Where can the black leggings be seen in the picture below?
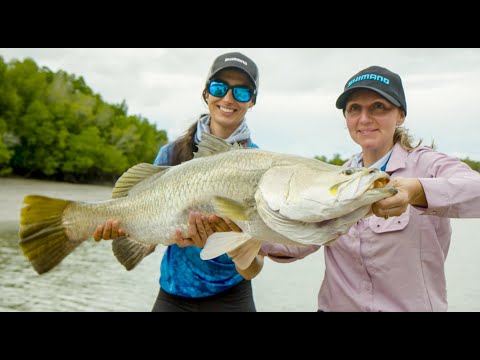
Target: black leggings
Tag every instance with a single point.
(238, 298)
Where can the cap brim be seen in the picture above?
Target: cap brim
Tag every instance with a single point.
(230, 66)
(342, 99)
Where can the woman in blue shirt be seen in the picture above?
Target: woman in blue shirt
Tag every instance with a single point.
(188, 283)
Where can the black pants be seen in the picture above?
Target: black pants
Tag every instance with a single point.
(238, 298)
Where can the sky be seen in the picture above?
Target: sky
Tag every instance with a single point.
(295, 111)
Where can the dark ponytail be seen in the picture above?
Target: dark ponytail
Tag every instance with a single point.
(185, 146)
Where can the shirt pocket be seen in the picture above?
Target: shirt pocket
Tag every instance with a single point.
(395, 223)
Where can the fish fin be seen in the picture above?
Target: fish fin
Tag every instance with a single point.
(220, 243)
(130, 252)
(232, 209)
(134, 176)
(43, 239)
(211, 145)
(243, 255)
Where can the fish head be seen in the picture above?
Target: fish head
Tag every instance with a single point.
(311, 193)
(354, 183)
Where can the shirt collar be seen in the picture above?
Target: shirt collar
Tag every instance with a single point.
(357, 161)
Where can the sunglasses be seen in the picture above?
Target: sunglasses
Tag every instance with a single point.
(241, 93)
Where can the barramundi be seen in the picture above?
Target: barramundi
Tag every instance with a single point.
(272, 197)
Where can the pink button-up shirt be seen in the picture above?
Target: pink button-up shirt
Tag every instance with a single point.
(398, 264)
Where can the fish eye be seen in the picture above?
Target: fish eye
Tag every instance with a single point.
(347, 172)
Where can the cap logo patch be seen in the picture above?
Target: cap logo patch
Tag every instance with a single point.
(236, 59)
(369, 77)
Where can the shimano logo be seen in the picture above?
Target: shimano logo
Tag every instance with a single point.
(237, 59)
(369, 77)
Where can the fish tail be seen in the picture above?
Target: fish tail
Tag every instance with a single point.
(43, 237)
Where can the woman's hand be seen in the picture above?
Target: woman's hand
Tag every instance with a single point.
(108, 231)
(410, 192)
(201, 226)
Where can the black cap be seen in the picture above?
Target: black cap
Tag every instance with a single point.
(235, 60)
(378, 79)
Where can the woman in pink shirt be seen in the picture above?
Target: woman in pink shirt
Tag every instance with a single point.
(394, 261)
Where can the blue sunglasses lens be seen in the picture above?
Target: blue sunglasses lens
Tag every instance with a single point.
(242, 94)
(220, 89)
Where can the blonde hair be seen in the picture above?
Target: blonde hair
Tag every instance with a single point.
(403, 137)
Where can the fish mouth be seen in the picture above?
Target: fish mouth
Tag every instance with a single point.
(379, 183)
(382, 184)
(379, 179)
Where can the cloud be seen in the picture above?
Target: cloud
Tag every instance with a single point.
(296, 110)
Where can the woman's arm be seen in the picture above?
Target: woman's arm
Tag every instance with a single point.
(444, 186)
(254, 268)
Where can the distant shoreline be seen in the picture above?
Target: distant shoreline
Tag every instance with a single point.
(99, 183)
(14, 189)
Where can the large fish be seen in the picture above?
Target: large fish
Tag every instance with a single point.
(272, 197)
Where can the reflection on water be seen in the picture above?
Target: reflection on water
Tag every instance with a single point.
(89, 279)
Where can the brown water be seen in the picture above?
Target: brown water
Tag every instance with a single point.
(91, 279)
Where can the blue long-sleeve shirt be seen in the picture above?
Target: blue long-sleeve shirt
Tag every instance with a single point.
(183, 272)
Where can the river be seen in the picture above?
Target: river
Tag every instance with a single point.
(91, 279)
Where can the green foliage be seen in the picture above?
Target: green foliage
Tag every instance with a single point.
(5, 153)
(52, 125)
(475, 165)
(336, 160)
(89, 152)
